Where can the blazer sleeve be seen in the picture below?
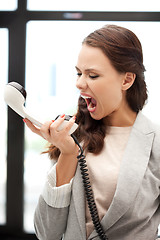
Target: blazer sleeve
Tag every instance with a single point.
(50, 223)
(52, 210)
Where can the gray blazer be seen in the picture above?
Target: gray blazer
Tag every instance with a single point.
(134, 213)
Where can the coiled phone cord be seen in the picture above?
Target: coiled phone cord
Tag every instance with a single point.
(89, 193)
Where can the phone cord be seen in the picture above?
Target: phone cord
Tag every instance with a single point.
(89, 192)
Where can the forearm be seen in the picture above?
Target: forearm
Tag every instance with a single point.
(66, 168)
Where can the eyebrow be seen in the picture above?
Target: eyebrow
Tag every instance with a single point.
(87, 70)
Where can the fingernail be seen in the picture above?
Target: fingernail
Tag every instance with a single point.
(53, 120)
(62, 116)
(74, 118)
(24, 120)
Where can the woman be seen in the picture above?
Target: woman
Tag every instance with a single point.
(121, 146)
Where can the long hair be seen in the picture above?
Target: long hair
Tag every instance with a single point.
(124, 51)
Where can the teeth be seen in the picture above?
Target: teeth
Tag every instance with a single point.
(85, 97)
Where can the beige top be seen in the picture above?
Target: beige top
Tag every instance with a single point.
(104, 169)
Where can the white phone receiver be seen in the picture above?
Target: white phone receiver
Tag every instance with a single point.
(15, 97)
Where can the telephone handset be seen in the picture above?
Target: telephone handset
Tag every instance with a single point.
(15, 97)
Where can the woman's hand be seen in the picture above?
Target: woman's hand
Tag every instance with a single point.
(67, 161)
(60, 139)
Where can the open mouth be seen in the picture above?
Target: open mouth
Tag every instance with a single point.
(91, 103)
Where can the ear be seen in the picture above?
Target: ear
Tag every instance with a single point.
(128, 80)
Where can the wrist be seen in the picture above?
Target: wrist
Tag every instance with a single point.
(66, 168)
(73, 153)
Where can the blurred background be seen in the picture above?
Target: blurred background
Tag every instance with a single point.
(39, 44)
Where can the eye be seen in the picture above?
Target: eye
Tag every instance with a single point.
(93, 76)
(79, 74)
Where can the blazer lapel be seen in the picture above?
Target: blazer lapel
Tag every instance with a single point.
(132, 171)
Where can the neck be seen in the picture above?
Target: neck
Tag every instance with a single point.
(122, 118)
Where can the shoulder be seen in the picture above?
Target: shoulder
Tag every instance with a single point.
(145, 125)
(154, 130)
(149, 130)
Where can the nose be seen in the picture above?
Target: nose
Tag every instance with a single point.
(81, 82)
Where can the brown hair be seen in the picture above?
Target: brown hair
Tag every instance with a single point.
(124, 50)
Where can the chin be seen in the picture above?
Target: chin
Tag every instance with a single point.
(95, 117)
